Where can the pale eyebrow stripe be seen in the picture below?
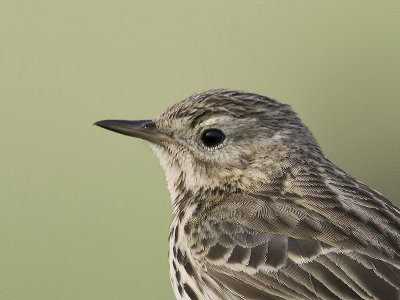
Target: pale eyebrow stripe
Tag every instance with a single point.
(203, 117)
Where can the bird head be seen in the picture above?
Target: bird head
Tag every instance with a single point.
(223, 141)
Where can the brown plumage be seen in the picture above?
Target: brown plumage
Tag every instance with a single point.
(260, 212)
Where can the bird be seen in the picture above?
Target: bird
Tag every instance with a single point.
(259, 212)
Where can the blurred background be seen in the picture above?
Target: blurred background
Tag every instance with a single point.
(85, 213)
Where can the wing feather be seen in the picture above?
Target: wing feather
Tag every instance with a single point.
(306, 237)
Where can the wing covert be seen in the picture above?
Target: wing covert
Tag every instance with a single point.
(253, 247)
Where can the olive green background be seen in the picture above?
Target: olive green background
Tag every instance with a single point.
(84, 213)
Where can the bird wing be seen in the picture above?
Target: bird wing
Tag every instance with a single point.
(306, 241)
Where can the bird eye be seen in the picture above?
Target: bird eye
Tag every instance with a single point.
(212, 137)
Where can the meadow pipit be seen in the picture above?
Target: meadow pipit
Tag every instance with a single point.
(260, 212)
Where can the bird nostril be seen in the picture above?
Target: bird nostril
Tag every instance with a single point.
(150, 126)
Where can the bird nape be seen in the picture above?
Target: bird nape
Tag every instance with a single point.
(259, 211)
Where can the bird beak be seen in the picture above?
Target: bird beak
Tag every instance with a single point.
(143, 129)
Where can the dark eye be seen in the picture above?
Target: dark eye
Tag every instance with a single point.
(212, 137)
